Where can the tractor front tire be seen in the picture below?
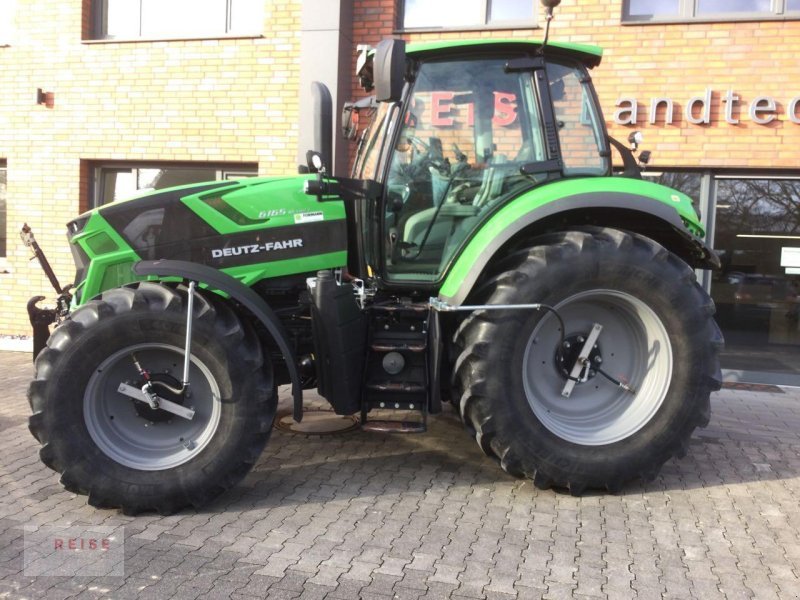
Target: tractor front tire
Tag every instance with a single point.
(658, 337)
(118, 450)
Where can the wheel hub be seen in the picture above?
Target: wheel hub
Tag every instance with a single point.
(157, 415)
(567, 353)
(635, 345)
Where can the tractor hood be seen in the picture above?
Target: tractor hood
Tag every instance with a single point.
(251, 228)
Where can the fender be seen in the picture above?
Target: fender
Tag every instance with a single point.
(641, 203)
(218, 280)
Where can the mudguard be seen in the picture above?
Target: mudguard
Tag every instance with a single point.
(627, 204)
(244, 295)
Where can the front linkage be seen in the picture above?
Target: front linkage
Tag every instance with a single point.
(42, 318)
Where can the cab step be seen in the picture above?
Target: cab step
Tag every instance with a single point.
(396, 377)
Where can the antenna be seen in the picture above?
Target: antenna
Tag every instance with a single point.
(549, 5)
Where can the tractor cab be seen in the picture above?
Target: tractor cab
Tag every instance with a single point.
(474, 125)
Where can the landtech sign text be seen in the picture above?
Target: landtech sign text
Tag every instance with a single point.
(762, 109)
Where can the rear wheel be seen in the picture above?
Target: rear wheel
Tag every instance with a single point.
(658, 340)
(120, 451)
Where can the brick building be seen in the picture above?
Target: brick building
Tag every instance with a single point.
(138, 94)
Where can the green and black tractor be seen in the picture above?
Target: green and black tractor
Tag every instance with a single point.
(482, 252)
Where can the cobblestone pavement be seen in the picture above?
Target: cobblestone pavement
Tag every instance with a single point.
(368, 515)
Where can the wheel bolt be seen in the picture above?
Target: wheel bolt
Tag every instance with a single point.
(566, 345)
(598, 359)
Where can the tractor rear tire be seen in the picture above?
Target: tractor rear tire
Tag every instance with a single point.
(119, 451)
(658, 336)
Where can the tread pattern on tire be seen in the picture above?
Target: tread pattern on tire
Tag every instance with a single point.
(474, 335)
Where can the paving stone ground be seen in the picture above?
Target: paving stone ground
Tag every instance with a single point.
(376, 516)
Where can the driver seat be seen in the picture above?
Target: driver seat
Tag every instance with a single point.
(418, 223)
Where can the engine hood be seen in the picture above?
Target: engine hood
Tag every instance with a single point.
(222, 223)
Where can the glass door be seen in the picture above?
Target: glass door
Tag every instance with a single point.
(757, 291)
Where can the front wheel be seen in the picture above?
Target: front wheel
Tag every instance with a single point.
(116, 448)
(643, 387)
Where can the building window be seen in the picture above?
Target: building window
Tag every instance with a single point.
(708, 10)
(7, 12)
(119, 181)
(160, 19)
(459, 14)
(3, 223)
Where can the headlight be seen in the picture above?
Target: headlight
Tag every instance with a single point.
(75, 226)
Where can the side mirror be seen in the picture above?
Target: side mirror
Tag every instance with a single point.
(349, 121)
(389, 69)
(364, 67)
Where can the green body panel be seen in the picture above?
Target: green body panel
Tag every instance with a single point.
(103, 266)
(286, 199)
(518, 208)
(251, 206)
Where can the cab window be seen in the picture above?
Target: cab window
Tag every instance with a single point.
(468, 129)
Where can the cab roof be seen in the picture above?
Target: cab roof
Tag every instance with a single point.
(586, 53)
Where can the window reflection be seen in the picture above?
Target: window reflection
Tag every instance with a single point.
(465, 13)
(469, 128)
(119, 182)
(757, 291)
(730, 6)
(443, 13)
(641, 8)
(509, 10)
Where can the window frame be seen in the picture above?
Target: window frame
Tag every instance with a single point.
(4, 228)
(99, 170)
(97, 34)
(532, 23)
(688, 13)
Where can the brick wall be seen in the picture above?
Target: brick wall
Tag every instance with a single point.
(671, 60)
(231, 100)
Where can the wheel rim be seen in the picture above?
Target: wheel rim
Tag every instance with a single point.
(636, 348)
(124, 435)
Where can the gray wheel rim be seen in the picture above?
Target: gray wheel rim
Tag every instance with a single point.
(635, 346)
(133, 441)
